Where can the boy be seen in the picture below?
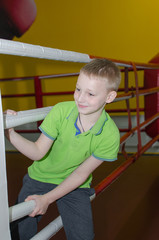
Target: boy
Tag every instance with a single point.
(76, 138)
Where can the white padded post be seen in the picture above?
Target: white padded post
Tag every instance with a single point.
(21, 210)
(24, 117)
(28, 50)
(4, 213)
(50, 230)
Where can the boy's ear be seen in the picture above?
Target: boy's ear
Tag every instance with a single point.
(111, 96)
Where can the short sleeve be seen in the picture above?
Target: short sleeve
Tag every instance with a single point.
(50, 125)
(108, 146)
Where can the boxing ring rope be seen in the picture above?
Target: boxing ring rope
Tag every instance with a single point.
(23, 117)
(28, 50)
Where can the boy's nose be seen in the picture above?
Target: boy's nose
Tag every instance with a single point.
(81, 97)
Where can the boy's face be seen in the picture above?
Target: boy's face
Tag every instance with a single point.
(91, 94)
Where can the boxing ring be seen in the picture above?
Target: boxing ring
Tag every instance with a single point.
(149, 125)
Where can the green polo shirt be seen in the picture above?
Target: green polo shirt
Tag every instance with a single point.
(70, 148)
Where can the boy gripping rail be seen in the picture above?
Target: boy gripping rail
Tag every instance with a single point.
(77, 137)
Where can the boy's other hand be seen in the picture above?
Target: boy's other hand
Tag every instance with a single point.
(10, 112)
(8, 131)
(41, 204)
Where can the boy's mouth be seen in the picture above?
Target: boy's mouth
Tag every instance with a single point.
(81, 106)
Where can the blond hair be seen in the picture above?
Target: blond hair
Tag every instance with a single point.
(105, 69)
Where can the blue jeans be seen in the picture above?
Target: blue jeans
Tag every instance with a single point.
(74, 208)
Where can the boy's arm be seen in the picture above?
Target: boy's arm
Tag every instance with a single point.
(69, 184)
(33, 150)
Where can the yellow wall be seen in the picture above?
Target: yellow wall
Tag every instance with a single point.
(125, 30)
(120, 29)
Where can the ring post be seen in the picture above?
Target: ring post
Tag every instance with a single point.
(4, 213)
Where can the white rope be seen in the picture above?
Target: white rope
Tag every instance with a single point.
(50, 230)
(24, 117)
(28, 50)
(25, 208)
(10, 47)
(21, 210)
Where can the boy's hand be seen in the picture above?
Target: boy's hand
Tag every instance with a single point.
(41, 204)
(10, 112)
(8, 131)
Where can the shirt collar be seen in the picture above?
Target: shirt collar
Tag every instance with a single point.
(73, 114)
(97, 128)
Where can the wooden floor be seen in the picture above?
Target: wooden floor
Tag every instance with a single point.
(126, 210)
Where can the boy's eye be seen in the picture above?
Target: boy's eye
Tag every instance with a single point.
(91, 94)
(77, 89)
